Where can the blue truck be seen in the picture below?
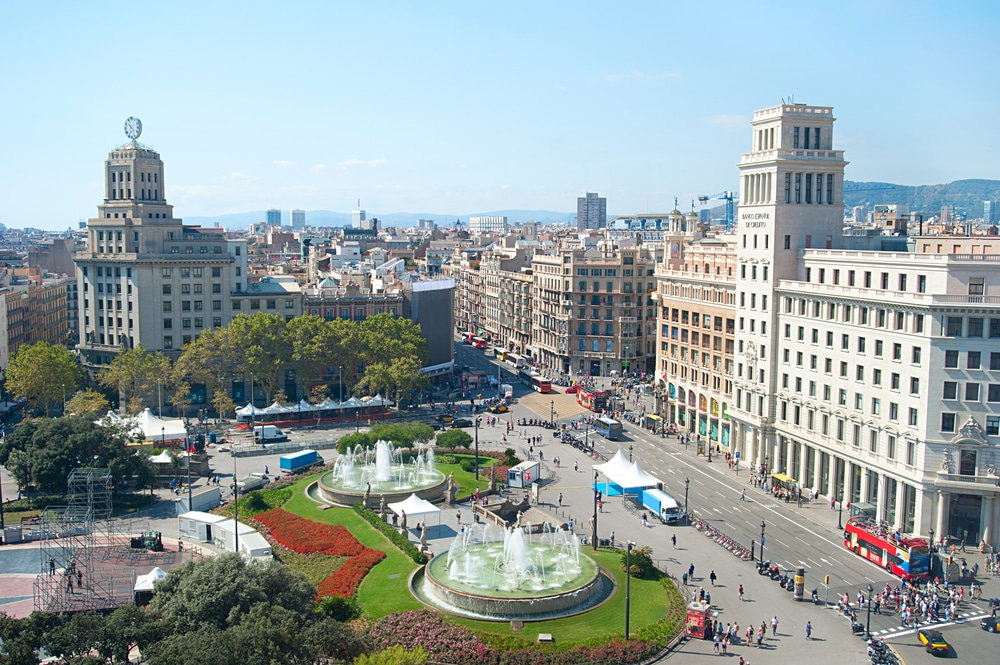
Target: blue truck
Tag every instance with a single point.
(663, 505)
(295, 462)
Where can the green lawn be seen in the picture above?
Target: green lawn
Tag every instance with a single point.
(385, 589)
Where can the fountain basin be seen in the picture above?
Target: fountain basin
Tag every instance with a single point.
(348, 497)
(514, 578)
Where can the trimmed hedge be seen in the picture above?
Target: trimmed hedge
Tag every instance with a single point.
(398, 539)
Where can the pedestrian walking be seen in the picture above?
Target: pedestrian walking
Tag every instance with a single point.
(560, 499)
(691, 571)
(673, 540)
(458, 516)
(715, 643)
(612, 539)
(576, 466)
(809, 630)
(743, 495)
(267, 470)
(712, 578)
(52, 566)
(79, 579)
(571, 525)
(725, 643)
(741, 593)
(774, 625)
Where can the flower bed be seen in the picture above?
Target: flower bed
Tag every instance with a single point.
(307, 537)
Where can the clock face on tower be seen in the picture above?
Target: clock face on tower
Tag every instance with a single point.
(133, 127)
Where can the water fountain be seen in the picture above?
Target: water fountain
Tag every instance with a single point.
(383, 470)
(508, 574)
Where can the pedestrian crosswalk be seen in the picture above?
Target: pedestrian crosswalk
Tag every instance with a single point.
(974, 614)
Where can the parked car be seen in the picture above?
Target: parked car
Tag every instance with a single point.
(933, 641)
(461, 422)
(572, 389)
(443, 419)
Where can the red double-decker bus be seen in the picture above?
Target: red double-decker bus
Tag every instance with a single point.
(589, 398)
(908, 558)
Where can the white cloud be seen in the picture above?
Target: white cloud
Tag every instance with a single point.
(370, 163)
(643, 76)
(318, 168)
(729, 122)
(505, 187)
(283, 163)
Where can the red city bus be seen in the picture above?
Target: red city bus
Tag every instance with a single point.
(589, 398)
(540, 384)
(479, 342)
(908, 558)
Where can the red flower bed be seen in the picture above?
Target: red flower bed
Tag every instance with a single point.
(306, 537)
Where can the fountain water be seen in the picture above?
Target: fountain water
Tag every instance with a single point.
(383, 468)
(506, 574)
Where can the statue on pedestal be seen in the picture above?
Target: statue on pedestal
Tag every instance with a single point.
(423, 538)
(402, 519)
(451, 482)
(381, 506)
(368, 493)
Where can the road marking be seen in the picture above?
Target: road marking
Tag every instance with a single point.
(825, 561)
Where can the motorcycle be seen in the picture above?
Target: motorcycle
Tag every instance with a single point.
(815, 596)
(774, 572)
(762, 567)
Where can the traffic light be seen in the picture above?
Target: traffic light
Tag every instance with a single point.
(826, 580)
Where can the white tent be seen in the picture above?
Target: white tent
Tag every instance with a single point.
(634, 477)
(157, 430)
(146, 582)
(163, 458)
(352, 403)
(414, 506)
(248, 410)
(616, 465)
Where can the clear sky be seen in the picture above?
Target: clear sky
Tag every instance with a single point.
(461, 107)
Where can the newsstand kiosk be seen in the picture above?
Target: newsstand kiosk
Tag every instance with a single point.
(699, 621)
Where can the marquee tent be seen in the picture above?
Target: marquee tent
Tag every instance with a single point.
(414, 506)
(617, 464)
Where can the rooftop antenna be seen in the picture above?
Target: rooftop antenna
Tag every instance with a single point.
(675, 203)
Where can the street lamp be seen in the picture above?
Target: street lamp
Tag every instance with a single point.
(930, 550)
(64, 399)
(596, 495)
(868, 625)
(840, 512)
(552, 411)
(478, 418)
(630, 452)
(687, 508)
(628, 581)
(762, 525)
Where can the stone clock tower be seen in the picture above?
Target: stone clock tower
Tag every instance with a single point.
(791, 198)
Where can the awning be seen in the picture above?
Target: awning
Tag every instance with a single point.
(782, 478)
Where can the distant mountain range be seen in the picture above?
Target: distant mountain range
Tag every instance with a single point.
(962, 195)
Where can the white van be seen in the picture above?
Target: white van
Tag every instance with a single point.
(268, 434)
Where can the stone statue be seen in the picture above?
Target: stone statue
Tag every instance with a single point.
(368, 493)
(381, 506)
(423, 538)
(451, 482)
(520, 514)
(402, 519)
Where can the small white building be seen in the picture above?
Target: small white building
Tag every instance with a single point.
(197, 525)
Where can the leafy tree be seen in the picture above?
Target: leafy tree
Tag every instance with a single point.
(402, 435)
(211, 359)
(87, 401)
(132, 373)
(338, 608)
(261, 348)
(43, 374)
(454, 438)
(21, 638)
(354, 440)
(220, 592)
(640, 561)
(181, 397)
(395, 655)
(314, 347)
(385, 338)
(52, 448)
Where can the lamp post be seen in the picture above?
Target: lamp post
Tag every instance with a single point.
(840, 512)
(630, 452)
(552, 410)
(478, 418)
(628, 581)
(596, 494)
(64, 399)
(930, 550)
(687, 508)
(236, 508)
(762, 525)
(868, 624)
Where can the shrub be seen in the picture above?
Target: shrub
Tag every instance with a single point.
(454, 438)
(641, 562)
(467, 465)
(340, 609)
(351, 440)
(399, 540)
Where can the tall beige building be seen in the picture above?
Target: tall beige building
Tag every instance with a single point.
(145, 278)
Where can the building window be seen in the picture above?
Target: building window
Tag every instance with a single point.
(975, 327)
(950, 390)
(168, 342)
(947, 422)
(973, 360)
(893, 411)
(916, 355)
(971, 392)
(993, 392)
(914, 386)
(166, 289)
(954, 326)
(977, 286)
(911, 419)
(168, 324)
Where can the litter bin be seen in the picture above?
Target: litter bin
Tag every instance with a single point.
(212, 437)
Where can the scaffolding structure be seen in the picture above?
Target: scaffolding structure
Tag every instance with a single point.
(81, 547)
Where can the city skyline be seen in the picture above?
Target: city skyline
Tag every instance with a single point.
(458, 109)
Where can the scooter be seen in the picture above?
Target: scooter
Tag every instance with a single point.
(763, 567)
(815, 596)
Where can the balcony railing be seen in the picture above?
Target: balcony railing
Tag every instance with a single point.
(976, 480)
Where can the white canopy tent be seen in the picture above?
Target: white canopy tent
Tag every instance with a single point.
(617, 464)
(414, 506)
(146, 582)
(633, 478)
(160, 429)
(163, 458)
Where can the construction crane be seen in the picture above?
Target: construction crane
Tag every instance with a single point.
(728, 198)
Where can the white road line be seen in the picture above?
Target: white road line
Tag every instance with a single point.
(825, 561)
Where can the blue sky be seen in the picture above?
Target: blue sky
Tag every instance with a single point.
(458, 107)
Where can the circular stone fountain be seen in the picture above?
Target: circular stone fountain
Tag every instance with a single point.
(505, 575)
(382, 468)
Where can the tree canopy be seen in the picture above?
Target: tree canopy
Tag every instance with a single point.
(132, 373)
(43, 374)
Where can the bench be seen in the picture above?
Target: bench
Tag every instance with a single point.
(545, 638)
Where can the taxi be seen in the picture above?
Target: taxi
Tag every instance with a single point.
(933, 641)
(990, 624)
(500, 408)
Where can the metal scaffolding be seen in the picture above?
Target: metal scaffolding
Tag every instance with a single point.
(80, 547)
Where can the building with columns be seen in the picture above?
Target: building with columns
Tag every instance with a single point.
(862, 367)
